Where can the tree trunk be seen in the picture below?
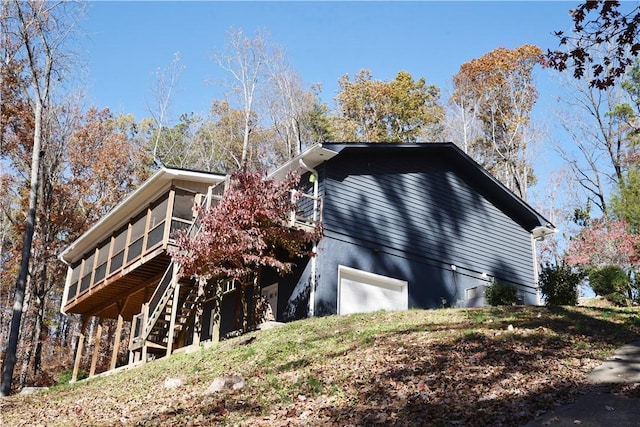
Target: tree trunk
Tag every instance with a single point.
(39, 337)
(21, 282)
(27, 339)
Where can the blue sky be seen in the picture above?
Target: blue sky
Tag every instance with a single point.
(126, 42)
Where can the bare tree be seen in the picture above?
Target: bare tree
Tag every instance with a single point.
(39, 29)
(599, 139)
(290, 106)
(166, 81)
(463, 127)
(245, 60)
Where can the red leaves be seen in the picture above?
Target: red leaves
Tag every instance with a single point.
(605, 243)
(596, 24)
(248, 229)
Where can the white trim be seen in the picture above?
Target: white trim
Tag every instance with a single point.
(311, 157)
(372, 279)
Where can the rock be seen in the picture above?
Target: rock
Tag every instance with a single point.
(228, 382)
(32, 390)
(173, 382)
(269, 325)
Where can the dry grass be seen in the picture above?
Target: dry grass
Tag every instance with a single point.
(491, 366)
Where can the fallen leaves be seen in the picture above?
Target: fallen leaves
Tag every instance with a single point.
(444, 367)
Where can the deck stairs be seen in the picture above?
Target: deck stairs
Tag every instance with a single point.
(165, 318)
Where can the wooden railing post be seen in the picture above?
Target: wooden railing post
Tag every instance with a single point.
(174, 312)
(143, 323)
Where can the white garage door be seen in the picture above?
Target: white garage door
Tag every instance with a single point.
(362, 292)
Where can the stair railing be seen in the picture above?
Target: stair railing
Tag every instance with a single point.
(167, 284)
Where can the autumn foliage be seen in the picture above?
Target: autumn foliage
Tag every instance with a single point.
(499, 91)
(598, 23)
(248, 230)
(605, 243)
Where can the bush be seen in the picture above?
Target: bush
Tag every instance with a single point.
(65, 376)
(501, 294)
(559, 284)
(609, 280)
(618, 299)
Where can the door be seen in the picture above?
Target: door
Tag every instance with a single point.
(271, 294)
(363, 292)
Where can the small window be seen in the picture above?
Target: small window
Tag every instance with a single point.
(183, 205)
(471, 293)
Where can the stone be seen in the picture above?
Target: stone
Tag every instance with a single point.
(32, 390)
(173, 382)
(227, 382)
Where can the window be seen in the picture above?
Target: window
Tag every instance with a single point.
(101, 263)
(73, 282)
(183, 205)
(157, 219)
(117, 259)
(137, 236)
(87, 271)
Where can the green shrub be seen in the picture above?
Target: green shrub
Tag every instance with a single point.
(65, 376)
(501, 294)
(609, 280)
(618, 299)
(559, 284)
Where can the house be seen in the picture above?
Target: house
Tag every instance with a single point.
(405, 226)
(410, 226)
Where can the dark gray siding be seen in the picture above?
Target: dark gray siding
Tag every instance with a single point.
(412, 217)
(424, 208)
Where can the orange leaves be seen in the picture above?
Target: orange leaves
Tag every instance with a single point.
(105, 162)
(498, 71)
(401, 110)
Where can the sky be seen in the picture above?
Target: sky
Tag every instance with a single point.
(125, 43)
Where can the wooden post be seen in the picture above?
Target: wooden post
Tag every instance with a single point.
(174, 312)
(197, 320)
(145, 311)
(116, 342)
(215, 331)
(96, 350)
(132, 330)
(76, 365)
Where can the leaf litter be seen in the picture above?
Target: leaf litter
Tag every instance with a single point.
(433, 368)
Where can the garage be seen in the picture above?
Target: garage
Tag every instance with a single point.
(363, 292)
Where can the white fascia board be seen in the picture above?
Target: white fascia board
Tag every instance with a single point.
(542, 231)
(311, 157)
(131, 205)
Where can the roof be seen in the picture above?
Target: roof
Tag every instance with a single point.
(131, 205)
(530, 219)
(312, 157)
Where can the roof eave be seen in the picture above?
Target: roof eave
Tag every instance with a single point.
(120, 211)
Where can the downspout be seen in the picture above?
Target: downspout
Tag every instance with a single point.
(535, 269)
(65, 293)
(314, 250)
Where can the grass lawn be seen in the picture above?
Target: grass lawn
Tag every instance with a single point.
(488, 366)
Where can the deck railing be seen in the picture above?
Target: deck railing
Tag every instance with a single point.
(166, 286)
(308, 212)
